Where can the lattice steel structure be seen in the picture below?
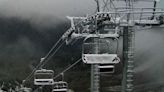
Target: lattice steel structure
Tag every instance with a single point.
(126, 17)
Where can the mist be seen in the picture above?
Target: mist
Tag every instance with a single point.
(45, 12)
(149, 55)
(50, 14)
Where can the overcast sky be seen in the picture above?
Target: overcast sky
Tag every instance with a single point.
(46, 7)
(55, 9)
(37, 9)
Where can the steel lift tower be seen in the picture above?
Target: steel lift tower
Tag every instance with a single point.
(128, 50)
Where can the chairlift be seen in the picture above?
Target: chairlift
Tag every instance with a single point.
(60, 86)
(43, 77)
(106, 69)
(25, 89)
(100, 51)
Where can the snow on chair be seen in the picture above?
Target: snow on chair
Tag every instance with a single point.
(100, 51)
(25, 89)
(60, 86)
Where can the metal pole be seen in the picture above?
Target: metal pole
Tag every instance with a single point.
(62, 75)
(154, 9)
(125, 58)
(98, 5)
(128, 58)
(128, 52)
(95, 77)
(41, 89)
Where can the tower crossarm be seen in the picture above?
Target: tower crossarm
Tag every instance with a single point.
(86, 26)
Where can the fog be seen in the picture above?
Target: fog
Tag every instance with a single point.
(149, 43)
(149, 55)
(37, 9)
(45, 12)
(60, 8)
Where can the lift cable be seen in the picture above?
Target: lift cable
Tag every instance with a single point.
(54, 46)
(45, 60)
(57, 49)
(72, 65)
(42, 63)
(67, 68)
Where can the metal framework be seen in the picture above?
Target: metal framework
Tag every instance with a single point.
(126, 17)
(108, 21)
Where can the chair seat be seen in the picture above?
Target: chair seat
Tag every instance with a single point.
(100, 58)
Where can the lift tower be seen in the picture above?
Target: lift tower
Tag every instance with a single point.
(95, 75)
(102, 6)
(128, 50)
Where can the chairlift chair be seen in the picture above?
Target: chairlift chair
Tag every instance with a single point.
(60, 86)
(106, 69)
(25, 89)
(104, 54)
(43, 77)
